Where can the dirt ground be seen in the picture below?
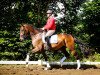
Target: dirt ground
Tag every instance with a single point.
(56, 70)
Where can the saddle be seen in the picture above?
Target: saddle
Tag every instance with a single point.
(49, 40)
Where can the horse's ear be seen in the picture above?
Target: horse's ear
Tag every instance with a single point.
(25, 27)
(23, 24)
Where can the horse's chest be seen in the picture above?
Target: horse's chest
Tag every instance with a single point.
(35, 39)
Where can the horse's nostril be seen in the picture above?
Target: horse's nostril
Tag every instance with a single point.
(21, 35)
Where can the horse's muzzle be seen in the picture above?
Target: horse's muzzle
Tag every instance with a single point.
(22, 37)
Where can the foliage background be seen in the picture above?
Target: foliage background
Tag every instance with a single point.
(81, 20)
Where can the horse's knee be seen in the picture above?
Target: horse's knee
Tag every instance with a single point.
(35, 50)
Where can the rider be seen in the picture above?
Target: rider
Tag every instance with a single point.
(50, 26)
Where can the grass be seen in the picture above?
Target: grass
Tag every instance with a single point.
(93, 57)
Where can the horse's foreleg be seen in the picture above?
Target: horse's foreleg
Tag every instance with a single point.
(27, 59)
(36, 49)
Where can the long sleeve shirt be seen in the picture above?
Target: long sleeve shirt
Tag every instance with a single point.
(50, 25)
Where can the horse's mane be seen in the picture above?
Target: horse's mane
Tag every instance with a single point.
(31, 25)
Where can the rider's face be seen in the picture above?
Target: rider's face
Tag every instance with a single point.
(49, 14)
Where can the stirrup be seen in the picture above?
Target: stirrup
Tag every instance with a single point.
(47, 47)
(47, 38)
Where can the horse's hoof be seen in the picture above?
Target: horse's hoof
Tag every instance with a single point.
(47, 68)
(61, 64)
(27, 65)
(78, 68)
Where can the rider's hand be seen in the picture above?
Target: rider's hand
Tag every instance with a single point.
(42, 28)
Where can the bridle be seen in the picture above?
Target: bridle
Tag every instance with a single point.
(23, 33)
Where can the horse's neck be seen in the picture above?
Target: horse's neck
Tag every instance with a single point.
(36, 35)
(34, 31)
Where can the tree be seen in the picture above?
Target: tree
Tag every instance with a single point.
(89, 17)
(13, 13)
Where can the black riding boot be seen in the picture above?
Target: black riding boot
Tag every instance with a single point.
(48, 45)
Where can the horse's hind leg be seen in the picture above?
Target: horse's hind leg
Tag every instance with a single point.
(75, 54)
(73, 51)
(70, 45)
(69, 41)
(65, 52)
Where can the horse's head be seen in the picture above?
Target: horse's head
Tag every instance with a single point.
(26, 29)
(23, 32)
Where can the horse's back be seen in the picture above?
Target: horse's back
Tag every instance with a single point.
(65, 36)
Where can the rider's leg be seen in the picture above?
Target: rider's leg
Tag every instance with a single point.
(48, 34)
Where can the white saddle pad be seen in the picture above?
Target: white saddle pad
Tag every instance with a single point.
(53, 39)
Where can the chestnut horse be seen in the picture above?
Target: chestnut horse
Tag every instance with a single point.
(64, 41)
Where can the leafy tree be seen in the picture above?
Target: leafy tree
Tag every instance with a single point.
(89, 19)
(13, 13)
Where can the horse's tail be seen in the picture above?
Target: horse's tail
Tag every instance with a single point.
(78, 41)
(83, 47)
